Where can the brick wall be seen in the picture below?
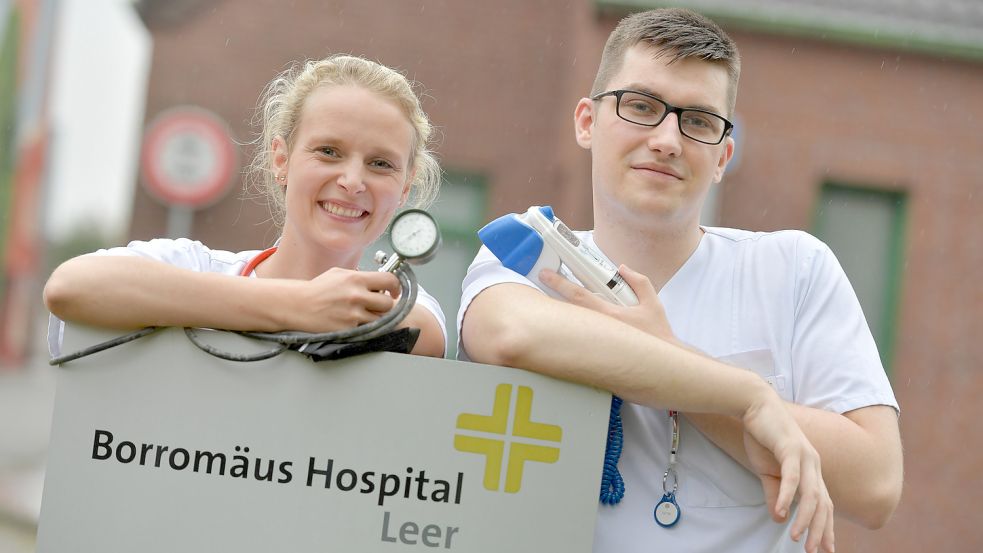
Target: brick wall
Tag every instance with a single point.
(502, 79)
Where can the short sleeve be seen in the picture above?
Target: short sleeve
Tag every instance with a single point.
(430, 303)
(485, 271)
(184, 253)
(835, 363)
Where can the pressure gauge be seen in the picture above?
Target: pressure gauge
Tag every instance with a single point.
(414, 236)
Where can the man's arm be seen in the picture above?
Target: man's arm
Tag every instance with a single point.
(860, 449)
(514, 325)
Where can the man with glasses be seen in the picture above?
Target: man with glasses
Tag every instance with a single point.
(722, 314)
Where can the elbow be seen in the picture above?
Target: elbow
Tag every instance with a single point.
(495, 341)
(510, 347)
(57, 294)
(879, 505)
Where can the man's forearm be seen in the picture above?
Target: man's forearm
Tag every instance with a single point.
(516, 326)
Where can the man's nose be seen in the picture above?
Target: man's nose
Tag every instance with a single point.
(666, 137)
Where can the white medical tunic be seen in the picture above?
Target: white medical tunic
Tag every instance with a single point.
(195, 256)
(777, 303)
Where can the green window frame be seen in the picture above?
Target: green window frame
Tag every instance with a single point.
(870, 249)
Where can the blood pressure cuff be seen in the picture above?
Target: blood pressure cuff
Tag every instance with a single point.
(397, 341)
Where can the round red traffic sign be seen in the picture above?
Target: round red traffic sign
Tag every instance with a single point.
(188, 157)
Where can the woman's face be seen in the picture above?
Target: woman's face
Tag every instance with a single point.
(346, 172)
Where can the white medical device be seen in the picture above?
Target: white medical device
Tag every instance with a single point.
(537, 239)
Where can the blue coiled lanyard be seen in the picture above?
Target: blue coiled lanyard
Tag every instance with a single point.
(667, 511)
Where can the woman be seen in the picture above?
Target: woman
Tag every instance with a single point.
(344, 144)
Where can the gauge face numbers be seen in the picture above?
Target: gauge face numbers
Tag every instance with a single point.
(414, 234)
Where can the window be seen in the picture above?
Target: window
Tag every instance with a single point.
(865, 228)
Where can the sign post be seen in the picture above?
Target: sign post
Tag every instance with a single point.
(187, 163)
(157, 446)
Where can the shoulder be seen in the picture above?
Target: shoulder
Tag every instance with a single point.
(777, 238)
(794, 245)
(185, 253)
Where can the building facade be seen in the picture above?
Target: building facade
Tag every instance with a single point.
(869, 142)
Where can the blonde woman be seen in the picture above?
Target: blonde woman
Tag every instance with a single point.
(344, 144)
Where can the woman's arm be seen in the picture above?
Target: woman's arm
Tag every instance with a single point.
(132, 292)
(431, 340)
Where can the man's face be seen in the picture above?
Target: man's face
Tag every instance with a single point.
(654, 175)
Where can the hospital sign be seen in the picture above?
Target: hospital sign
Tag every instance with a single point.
(157, 446)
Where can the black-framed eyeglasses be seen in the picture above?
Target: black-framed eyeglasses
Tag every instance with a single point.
(647, 110)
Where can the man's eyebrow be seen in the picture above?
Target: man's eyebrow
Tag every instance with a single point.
(642, 88)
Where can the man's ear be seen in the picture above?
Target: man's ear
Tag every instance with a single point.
(583, 120)
(726, 154)
(280, 157)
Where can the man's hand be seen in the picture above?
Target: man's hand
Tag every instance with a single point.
(648, 316)
(771, 431)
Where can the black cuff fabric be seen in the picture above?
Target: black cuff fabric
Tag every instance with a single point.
(397, 341)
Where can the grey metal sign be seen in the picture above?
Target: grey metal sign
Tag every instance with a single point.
(158, 447)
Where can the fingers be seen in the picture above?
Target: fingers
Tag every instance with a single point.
(790, 483)
(640, 284)
(821, 527)
(770, 485)
(341, 298)
(573, 293)
(828, 538)
(376, 302)
(379, 281)
(815, 512)
(804, 517)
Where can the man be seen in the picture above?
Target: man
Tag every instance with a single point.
(775, 308)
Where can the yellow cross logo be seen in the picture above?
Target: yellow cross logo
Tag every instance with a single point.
(494, 447)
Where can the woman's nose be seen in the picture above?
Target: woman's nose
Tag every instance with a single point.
(351, 177)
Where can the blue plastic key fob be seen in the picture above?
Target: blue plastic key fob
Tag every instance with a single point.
(667, 511)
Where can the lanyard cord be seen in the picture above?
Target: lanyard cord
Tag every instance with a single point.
(612, 484)
(673, 449)
(256, 260)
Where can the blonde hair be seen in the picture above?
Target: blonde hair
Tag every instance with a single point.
(283, 101)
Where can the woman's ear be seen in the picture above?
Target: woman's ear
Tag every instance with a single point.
(280, 158)
(407, 187)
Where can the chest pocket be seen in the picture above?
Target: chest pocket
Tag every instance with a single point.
(762, 362)
(708, 476)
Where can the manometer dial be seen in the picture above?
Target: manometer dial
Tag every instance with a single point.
(414, 235)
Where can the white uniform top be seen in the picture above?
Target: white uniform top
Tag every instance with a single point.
(194, 255)
(778, 303)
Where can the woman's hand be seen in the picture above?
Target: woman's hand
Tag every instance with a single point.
(340, 298)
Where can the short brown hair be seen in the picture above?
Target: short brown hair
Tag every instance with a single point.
(674, 32)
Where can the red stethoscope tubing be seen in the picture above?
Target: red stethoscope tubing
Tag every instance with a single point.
(255, 261)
